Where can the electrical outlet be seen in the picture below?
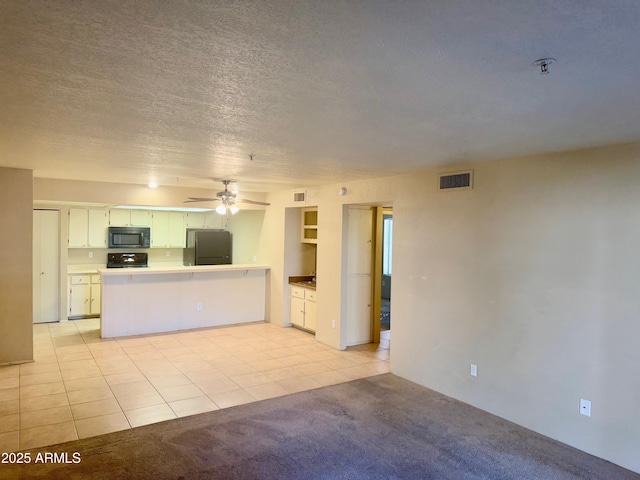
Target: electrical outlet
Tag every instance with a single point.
(585, 407)
(255, 258)
(199, 306)
(333, 324)
(474, 370)
(90, 254)
(168, 253)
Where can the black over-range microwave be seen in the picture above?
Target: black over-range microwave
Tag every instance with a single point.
(129, 237)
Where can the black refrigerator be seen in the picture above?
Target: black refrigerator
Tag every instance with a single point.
(207, 247)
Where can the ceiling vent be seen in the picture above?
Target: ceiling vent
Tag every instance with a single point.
(456, 180)
(300, 197)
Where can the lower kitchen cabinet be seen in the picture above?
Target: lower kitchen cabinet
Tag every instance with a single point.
(96, 295)
(84, 295)
(303, 308)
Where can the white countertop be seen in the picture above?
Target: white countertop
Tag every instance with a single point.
(151, 270)
(88, 268)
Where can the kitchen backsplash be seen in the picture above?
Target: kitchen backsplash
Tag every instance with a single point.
(80, 256)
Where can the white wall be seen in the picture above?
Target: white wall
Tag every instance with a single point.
(533, 275)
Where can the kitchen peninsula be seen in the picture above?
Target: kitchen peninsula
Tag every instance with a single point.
(162, 299)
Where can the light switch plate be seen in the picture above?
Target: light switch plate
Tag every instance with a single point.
(474, 370)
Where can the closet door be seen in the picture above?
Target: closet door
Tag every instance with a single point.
(46, 266)
(359, 275)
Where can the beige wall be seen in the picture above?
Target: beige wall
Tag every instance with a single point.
(533, 275)
(246, 228)
(16, 260)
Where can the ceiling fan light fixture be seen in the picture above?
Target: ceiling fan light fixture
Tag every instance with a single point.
(226, 198)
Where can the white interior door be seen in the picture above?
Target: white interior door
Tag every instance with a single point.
(46, 266)
(359, 274)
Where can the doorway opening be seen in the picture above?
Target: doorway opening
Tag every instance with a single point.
(367, 275)
(385, 278)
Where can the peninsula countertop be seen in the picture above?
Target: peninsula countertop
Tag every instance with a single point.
(151, 270)
(168, 298)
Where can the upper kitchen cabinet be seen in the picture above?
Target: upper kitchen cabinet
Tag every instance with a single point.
(121, 217)
(88, 227)
(195, 220)
(167, 230)
(309, 225)
(177, 230)
(213, 220)
(204, 220)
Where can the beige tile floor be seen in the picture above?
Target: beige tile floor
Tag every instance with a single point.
(81, 385)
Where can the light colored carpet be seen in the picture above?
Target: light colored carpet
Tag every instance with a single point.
(373, 428)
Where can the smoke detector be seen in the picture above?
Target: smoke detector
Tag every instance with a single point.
(544, 63)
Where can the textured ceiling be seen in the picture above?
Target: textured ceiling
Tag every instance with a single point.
(319, 91)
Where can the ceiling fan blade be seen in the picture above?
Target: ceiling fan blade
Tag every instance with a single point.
(251, 202)
(200, 199)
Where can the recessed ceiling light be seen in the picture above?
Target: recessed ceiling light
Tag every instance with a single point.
(153, 184)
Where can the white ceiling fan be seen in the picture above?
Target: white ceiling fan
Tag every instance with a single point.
(227, 198)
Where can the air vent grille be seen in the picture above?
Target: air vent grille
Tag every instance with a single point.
(299, 197)
(456, 180)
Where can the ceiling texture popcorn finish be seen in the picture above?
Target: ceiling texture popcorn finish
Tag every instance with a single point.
(318, 92)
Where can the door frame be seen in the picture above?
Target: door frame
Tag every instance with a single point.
(376, 264)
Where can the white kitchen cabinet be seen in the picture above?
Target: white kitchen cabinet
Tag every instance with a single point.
(98, 225)
(78, 227)
(160, 229)
(303, 308)
(79, 295)
(88, 227)
(140, 218)
(195, 220)
(177, 232)
(297, 311)
(95, 295)
(310, 310)
(213, 220)
(84, 295)
(167, 230)
(120, 217)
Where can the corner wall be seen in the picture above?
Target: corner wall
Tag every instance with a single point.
(16, 260)
(533, 276)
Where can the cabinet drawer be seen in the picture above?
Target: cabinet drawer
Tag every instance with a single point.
(96, 279)
(79, 279)
(311, 295)
(297, 292)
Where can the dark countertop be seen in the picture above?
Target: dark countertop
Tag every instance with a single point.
(306, 281)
